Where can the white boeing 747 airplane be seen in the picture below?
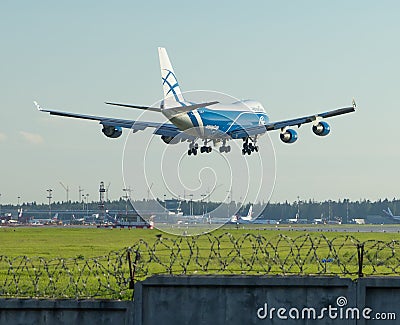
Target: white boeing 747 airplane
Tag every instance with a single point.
(210, 122)
(243, 219)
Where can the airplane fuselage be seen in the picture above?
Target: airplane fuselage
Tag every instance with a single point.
(216, 122)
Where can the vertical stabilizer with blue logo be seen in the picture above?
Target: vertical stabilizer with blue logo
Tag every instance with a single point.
(172, 91)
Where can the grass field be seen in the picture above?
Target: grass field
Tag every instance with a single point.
(92, 263)
(91, 242)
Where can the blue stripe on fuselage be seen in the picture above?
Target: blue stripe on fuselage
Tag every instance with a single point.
(227, 120)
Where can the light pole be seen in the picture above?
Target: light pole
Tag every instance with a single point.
(80, 190)
(87, 204)
(229, 201)
(127, 196)
(329, 210)
(83, 202)
(0, 205)
(191, 204)
(298, 207)
(18, 206)
(49, 197)
(202, 201)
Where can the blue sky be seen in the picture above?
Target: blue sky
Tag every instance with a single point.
(296, 57)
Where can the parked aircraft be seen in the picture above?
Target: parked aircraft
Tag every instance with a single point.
(243, 219)
(390, 214)
(212, 122)
(296, 219)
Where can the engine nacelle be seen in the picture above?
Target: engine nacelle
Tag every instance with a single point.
(289, 136)
(321, 129)
(167, 139)
(111, 131)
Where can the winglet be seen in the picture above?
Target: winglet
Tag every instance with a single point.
(354, 103)
(37, 106)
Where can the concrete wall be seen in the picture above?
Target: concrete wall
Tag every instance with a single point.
(65, 312)
(381, 295)
(266, 300)
(224, 300)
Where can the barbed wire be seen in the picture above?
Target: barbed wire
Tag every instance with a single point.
(111, 276)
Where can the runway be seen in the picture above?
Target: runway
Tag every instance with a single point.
(326, 228)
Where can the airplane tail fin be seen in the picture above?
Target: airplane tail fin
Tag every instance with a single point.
(172, 91)
(388, 212)
(250, 213)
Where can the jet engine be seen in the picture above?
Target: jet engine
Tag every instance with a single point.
(289, 136)
(112, 131)
(167, 139)
(321, 129)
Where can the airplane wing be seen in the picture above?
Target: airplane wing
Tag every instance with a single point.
(259, 129)
(175, 110)
(163, 129)
(148, 108)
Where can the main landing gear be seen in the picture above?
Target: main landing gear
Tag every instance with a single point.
(205, 149)
(194, 147)
(224, 147)
(249, 147)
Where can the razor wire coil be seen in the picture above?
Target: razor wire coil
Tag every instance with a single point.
(109, 276)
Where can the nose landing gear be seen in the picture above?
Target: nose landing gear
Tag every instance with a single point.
(224, 147)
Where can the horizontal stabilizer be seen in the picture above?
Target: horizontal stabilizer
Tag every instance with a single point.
(188, 108)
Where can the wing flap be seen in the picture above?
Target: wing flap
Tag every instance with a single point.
(247, 132)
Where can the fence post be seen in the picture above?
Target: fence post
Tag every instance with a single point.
(360, 253)
(132, 271)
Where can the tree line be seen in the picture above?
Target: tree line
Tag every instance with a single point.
(329, 209)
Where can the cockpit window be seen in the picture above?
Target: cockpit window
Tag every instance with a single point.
(253, 105)
(257, 107)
